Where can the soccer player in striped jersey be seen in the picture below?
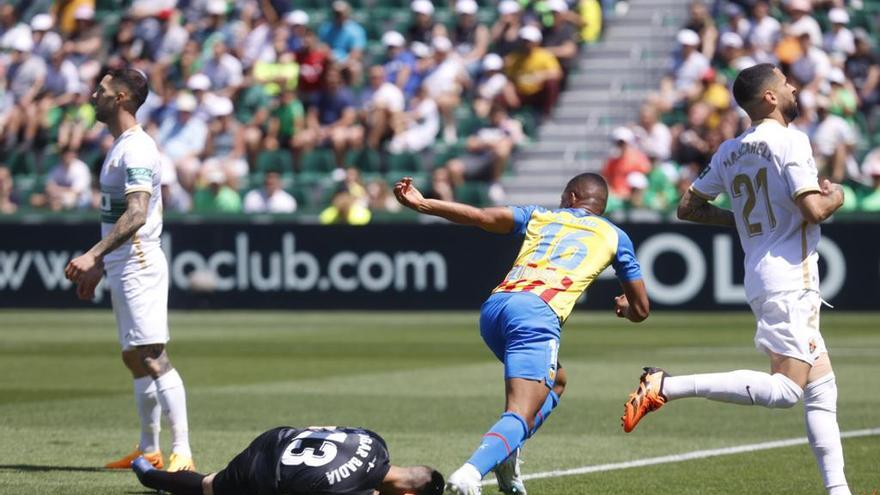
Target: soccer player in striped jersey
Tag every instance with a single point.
(562, 253)
(778, 203)
(131, 257)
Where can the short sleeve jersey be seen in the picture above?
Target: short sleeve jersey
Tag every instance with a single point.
(132, 165)
(763, 171)
(329, 460)
(563, 252)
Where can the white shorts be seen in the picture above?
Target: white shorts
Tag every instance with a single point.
(139, 293)
(788, 324)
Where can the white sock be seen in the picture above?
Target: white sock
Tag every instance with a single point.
(745, 387)
(820, 416)
(149, 411)
(172, 396)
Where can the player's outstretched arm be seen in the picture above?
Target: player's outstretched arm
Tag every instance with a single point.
(696, 209)
(134, 217)
(816, 206)
(633, 303)
(497, 220)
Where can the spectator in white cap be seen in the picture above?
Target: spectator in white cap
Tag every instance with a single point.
(803, 22)
(840, 39)
(446, 83)
(183, 137)
(561, 37)
(731, 55)
(701, 22)
(423, 27)
(224, 147)
(400, 63)
(200, 85)
(534, 72)
(737, 22)
(625, 159)
(87, 37)
(28, 75)
(844, 101)
(687, 67)
(271, 198)
(505, 32)
(492, 86)
(470, 37)
(46, 41)
(766, 30)
(863, 69)
(298, 23)
(346, 39)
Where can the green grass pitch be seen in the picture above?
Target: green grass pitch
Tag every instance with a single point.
(425, 382)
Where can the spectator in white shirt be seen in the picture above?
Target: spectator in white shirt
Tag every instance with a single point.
(492, 84)
(765, 29)
(46, 41)
(685, 71)
(416, 129)
(814, 64)
(69, 185)
(271, 198)
(653, 137)
(384, 104)
(840, 39)
(224, 70)
(803, 22)
(833, 141)
(445, 83)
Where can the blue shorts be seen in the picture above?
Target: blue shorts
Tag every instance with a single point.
(523, 332)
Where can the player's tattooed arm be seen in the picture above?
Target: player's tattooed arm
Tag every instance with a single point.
(134, 217)
(697, 209)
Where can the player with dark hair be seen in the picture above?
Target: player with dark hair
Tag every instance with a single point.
(319, 460)
(563, 252)
(131, 257)
(778, 203)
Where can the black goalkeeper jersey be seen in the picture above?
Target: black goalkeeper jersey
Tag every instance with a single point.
(316, 460)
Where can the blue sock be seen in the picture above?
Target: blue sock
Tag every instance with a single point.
(504, 437)
(549, 404)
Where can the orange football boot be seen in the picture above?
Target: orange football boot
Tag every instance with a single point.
(155, 458)
(648, 397)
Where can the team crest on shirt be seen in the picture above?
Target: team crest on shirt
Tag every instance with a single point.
(812, 346)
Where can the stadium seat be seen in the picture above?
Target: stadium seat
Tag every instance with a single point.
(365, 160)
(21, 162)
(403, 163)
(317, 161)
(473, 193)
(278, 160)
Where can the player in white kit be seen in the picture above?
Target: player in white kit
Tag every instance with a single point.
(130, 256)
(778, 204)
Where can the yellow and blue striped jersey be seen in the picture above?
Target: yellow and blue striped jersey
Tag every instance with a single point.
(563, 252)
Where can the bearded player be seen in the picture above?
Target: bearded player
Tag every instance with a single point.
(130, 255)
(563, 252)
(319, 460)
(778, 204)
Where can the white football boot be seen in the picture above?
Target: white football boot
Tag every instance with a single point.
(508, 475)
(464, 481)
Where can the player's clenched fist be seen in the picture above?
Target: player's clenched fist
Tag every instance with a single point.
(621, 305)
(407, 194)
(80, 265)
(85, 288)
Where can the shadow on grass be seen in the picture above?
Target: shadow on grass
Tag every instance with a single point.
(33, 468)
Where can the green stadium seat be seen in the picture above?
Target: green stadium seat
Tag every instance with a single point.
(318, 160)
(365, 160)
(473, 193)
(403, 163)
(22, 162)
(279, 160)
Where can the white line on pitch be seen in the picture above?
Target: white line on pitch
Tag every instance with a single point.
(687, 456)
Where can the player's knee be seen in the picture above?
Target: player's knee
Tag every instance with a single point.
(560, 383)
(154, 359)
(821, 395)
(786, 393)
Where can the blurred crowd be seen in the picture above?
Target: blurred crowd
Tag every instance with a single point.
(828, 49)
(260, 107)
